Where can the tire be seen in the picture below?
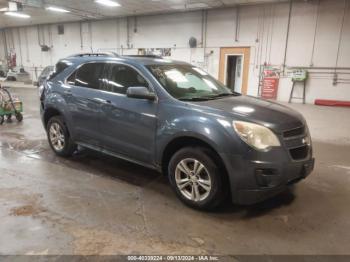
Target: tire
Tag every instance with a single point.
(63, 146)
(19, 117)
(2, 119)
(209, 176)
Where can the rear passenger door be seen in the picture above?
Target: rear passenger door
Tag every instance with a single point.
(128, 124)
(85, 102)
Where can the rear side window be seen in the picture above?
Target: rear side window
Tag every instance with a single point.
(89, 75)
(59, 68)
(121, 77)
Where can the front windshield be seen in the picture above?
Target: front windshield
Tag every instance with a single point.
(186, 82)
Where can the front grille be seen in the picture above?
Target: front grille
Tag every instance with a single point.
(295, 140)
(299, 153)
(294, 132)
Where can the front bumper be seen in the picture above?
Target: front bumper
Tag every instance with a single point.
(253, 181)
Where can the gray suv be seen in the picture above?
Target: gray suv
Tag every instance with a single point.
(173, 117)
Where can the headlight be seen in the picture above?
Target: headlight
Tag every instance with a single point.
(256, 136)
(41, 90)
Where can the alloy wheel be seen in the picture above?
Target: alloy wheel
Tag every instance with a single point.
(193, 179)
(57, 137)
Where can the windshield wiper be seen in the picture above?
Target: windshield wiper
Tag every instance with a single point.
(204, 98)
(223, 95)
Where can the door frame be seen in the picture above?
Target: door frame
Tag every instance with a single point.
(235, 51)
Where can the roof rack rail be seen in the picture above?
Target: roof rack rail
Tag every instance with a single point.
(96, 54)
(146, 56)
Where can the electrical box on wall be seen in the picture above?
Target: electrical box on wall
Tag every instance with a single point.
(60, 29)
(45, 48)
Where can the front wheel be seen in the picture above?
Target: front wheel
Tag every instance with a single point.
(196, 178)
(19, 117)
(59, 137)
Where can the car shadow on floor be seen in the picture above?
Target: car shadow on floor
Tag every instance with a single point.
(117, 169)
(285, 198)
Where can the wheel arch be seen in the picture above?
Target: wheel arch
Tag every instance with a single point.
(49, 113)
(186, 141)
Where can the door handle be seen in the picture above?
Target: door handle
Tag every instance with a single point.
(104, 101)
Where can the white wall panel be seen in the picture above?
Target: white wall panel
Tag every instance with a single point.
(301, 35)
(221, 27)
(263, 28)
(278, 34)
(166, 30)
(328, 32)
(344, 54)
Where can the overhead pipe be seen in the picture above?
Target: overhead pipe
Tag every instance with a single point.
(12, 39)
(5, 43)
(287, 35)
(315, 33)
(267, 35)
(117, 20)
(27, 44)
(237, 23)
(90, 35)
(273, 15)
(318, 67)
(127, 32)
(202, 29)
(81, 35)
(205, 28)
(39, 38)
(20, 45)
(341, 34)
(262, 38)
(204, 38)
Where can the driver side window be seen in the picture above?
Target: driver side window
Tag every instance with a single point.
(121, 77)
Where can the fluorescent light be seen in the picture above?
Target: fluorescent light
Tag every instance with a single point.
(15, 14)
(109, 3)
(190, 6)
(57, 9)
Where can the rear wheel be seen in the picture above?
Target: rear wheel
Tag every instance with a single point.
(2, 119)
(59, 137)
(196, 178)
(19, 117)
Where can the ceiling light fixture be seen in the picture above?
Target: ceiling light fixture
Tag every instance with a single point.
(109, 3)
(191, 6)
(57, 9)
(15, 14)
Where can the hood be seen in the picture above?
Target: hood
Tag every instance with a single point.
(250, 109)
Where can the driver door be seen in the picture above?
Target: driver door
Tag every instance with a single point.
(128, 124)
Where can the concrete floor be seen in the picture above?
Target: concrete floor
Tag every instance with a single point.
(93, 204)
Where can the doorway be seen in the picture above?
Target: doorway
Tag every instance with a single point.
(234, 68)
(234, 72)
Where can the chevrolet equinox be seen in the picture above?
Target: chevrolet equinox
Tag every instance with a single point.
(173, 117)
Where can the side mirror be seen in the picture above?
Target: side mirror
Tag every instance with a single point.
(140, 92)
